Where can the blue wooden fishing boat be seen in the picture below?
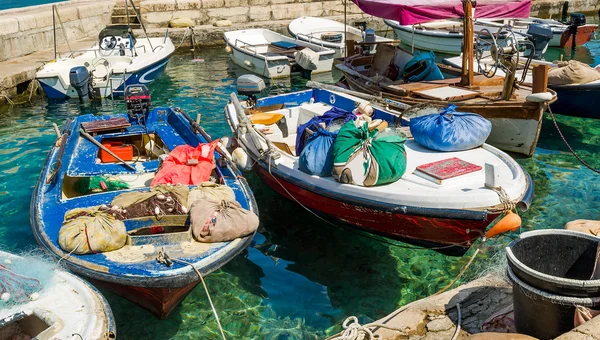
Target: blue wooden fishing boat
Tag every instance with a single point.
(161, 263)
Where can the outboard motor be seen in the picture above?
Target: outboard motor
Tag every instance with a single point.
(577, 19)
(79, 77)
(540, 36)
(250, 85)
(137, 99)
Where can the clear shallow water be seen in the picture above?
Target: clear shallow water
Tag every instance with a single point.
(7, 4)
(301, 277)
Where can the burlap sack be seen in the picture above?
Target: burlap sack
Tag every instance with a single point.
(211, 191)
(572, 72)
(86, 231)
(220, 221)
(584, 226)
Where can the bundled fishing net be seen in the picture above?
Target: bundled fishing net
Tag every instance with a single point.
(91, 230)
(86, 185)
(160, 200)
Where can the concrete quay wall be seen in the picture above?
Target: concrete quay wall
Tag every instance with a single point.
(27, 30)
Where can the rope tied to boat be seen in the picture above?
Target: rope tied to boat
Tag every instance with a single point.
(568, 145)
(507, 203)
(165, 259)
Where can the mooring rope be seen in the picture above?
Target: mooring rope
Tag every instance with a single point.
(569, 146)
(458, 321)
(163, 258)
(355, 331)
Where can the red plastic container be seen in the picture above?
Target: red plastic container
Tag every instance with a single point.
(125, 152)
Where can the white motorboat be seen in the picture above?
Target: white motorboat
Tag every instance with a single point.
(443, 36)
(448, 213)
(40, 301)
(330, 33)
(117, 60)
(272, 55)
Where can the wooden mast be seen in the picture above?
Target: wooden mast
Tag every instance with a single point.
(467, 55)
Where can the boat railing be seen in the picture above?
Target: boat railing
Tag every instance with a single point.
(246, 45)
(97, 54)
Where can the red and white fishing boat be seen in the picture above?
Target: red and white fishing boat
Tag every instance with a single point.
(452, 214)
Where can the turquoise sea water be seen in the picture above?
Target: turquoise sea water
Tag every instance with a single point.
(7, 4)
(301, 277)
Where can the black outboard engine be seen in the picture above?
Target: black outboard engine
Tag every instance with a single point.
(137, 98)
(577, 19)
(79, 77)
(540, 36)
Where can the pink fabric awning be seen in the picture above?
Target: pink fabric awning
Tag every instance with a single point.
(408, 12)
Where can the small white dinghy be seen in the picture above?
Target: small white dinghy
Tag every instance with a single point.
(329, 33)
(39, 301)
(273, 55)
(117, 60)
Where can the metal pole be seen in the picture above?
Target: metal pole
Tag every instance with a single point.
(137, 14)
(127, 14)
(64, 31)
(345, 30)
(54, 28)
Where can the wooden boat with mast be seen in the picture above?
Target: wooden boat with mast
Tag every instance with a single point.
(515, 111)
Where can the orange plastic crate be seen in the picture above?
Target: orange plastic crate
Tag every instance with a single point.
(125, 152)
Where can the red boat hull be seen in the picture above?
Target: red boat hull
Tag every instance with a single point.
(584, 34)
(159, 301)
(422, 229)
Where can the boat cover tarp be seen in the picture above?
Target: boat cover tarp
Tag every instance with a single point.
(450, 130)
(221, 221)
(422, 67)
(212, 191)
(307, 59)
(187, 165)
(409, 12)
(90, 230)
(361, 158)
(572, 72)
(318, 122)
(317, 157)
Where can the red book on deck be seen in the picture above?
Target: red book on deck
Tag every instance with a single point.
(446, 169)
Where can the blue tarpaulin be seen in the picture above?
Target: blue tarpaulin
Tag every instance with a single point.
(314, 124)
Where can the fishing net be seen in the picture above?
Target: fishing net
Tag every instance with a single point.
(160, 200)
(23, 279)
(86, 185)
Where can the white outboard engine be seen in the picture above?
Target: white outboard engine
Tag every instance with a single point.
(79, 77)
(540, 36)
(250, 85)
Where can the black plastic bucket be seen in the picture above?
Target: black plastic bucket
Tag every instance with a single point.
(544, 315)
(550, 271)
(556, 261)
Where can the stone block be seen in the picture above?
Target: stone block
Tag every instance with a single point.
(277, 2)
(90, 10)
(181, 23)
(26, 22)
(193, 15)
(223, 23)
(259, 3)
(213, 3)
(331, 8)
(260, 13)
(157, 6)
(68, 13)
(8, 26)
(236, 3)
(286, 11)
(313, 9)
(157, 18)
(43, 19)
(235, 14)
(184, 5)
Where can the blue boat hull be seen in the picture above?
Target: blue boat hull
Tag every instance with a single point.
(577, 100)
(153, 285)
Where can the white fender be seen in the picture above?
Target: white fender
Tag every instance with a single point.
(241, 159)
(248, 63)
(228, 49)
(539, 97)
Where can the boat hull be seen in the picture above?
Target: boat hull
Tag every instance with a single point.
(158, 300)
(577, 100)
(447, 43)
(449, 232)
(584, 34)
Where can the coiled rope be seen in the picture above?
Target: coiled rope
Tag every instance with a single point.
(569, 146)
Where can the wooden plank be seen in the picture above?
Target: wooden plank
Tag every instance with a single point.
(105, 125)
(447, 93)
(467, 61)
(540, 78)
(409, 88)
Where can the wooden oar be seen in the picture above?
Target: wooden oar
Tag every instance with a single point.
(63, 143)
(95, 142)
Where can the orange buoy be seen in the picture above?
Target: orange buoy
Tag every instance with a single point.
(510, 222)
